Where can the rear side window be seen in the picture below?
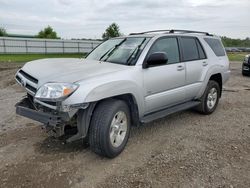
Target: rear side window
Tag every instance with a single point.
(201, 50)
(189, 49)
(216, 46)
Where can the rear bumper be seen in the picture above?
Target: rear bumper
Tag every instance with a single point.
(25, 108)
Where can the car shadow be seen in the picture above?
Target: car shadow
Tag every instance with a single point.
(51, 145)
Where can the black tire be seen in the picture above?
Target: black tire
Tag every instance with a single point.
(244, 74)
(203, 107)
(99, 131)
(85, 142)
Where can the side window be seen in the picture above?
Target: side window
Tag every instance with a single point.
(169, 46)
(216, 46)
(189, 49)
(201, 50)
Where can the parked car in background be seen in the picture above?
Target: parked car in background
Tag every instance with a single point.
(237, 49)
(246, 66)
(247, 50)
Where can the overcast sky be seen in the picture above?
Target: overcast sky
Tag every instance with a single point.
(88, 19)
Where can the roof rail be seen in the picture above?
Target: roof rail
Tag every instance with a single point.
(172, 31)
(153, 31)
(188, 31)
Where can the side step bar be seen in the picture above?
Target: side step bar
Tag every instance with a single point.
(165, 112)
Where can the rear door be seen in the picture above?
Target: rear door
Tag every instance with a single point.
(195, 60)
(164, 84)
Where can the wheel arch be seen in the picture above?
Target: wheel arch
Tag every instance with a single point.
(212, 74)
(130, 100)
(84, 116)
(217, 78)
(132, 105)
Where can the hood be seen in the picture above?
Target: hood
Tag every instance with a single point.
(68, 69)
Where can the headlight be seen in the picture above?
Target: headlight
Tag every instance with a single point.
(55, 91)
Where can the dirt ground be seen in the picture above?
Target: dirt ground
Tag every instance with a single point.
(183, 150)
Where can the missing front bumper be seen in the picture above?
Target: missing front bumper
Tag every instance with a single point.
(25, 108)
(56, 123)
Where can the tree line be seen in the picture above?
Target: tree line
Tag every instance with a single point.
(48, 33)
(229, 42)
(113, 30)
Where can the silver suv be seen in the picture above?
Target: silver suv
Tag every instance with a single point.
(124, 82)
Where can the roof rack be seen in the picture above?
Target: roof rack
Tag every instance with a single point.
(171, 31)
(153, 31)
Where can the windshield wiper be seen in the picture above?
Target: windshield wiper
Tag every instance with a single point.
(136, 50)
(111, 50)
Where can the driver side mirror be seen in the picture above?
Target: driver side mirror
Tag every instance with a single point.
(156, 59)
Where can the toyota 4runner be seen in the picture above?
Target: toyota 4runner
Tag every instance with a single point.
(124, 81)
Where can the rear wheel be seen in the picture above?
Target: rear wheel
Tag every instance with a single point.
(210, 98)
(109, 128)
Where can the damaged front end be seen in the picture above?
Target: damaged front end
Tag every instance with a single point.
(56, 117)
(55, 122)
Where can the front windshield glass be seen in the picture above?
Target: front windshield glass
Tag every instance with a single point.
(119, 50)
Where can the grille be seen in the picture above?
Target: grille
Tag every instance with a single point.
(18, 78)
(27, 76)
(31, 88)
(27, 81)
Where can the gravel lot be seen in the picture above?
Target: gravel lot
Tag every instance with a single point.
(183, 150)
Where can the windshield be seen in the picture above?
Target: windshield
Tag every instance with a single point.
(119, 50)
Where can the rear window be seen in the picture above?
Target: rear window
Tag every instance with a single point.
(216, 46)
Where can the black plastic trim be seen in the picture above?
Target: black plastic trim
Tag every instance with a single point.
(167, 111)
(26, 109)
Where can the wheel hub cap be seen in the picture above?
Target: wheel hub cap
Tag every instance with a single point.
(212, 98)
(118, 129)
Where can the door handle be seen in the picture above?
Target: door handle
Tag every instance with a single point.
(180, 67)
(204, 63)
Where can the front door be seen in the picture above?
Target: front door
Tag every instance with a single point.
(164, 85)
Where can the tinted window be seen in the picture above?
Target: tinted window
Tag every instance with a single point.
(201, 50)
(169, 46)
(189, 49)
(216, 46)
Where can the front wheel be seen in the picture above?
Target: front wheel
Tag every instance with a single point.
(109, 128)
(210, 98)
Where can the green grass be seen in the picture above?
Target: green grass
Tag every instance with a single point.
(237, 56)
(30, 57)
